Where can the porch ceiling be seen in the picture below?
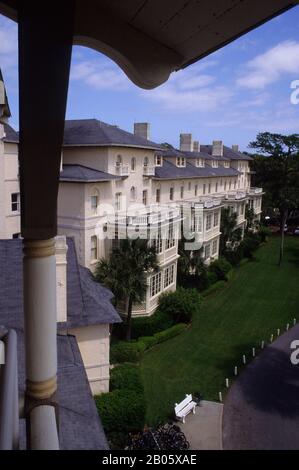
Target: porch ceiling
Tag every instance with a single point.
(151, 38)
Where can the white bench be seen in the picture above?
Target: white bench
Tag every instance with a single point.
(186, 406)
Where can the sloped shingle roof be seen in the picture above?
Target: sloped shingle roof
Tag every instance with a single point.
(83, 174)
(170, 171)
(83, 132)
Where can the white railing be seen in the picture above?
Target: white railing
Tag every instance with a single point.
(148, 170)
(122, 169)
(236, 195)
(255, 190)
(9, 395)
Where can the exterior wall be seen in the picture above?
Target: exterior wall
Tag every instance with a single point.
(94, 344)
(92, 157)
(10, 221)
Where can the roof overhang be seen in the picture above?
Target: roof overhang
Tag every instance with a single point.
(150, 39)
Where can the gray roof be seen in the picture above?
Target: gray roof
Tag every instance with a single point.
(170, 171)
(84, 174)
(227, 153)
(80, 426)
(11, 135)
(88, 302)
(92, 132)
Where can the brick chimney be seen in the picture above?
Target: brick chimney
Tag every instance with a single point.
(61, 277)
(217, 150)
(186, 143)
(196, 146)
(142, 129)
(235, 148)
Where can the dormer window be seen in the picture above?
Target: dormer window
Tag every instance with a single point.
(158, 160)
(145, 161)
(180, 161)
(226, 164)
(214, 163)
(199, 162)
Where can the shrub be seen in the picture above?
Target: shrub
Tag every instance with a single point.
(264, 233)
(126, 376)
(214, 288)
(212, 278)
(234, 257)
(149, 326)
(220, 267)
(170, 333)
(124, 351)
(249, 245)
(121, 410)
(180, 305)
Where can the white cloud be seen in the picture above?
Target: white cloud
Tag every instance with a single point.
(100, 75)
(270, 66)
(189, 91)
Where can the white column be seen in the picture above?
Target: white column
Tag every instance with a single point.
(43, 429)
(40, 318)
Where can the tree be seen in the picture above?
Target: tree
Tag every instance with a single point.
(249, 216)
(125, 273)
(277, 171)
(192, 271)
(227, 227)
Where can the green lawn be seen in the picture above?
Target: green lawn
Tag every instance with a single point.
(260, 298)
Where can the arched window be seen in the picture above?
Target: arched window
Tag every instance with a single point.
(133, 164)
(119, 160)
(133, 193)
(145, 161)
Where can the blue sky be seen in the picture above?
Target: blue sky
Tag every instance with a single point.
(232, 95)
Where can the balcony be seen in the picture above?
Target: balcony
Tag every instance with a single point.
(235, 195)
(254, 191)
(148, 170)
(122, 169)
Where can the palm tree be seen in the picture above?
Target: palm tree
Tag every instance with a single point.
(227, 227)
(125, 273)
(191, 266)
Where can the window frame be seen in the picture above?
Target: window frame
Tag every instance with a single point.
(16, 203)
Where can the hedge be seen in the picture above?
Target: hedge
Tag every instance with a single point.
(126, 376)
(148, 326)
(122, 410)
(132, 351)
(180, 305)
(220, 268)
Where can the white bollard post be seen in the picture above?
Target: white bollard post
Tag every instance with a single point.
(253, 352)
(288, 326)
(244, 359)
(263, 344)
(236, 370)
(220, 397)
(294, 321)
(271, 338)
(226, 383)
(278, 331)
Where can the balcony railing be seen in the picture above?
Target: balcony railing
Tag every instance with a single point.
(122, 169)
(148, 170)
(236, 195)
(253, 191)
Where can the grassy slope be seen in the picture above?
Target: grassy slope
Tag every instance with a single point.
(260, 298)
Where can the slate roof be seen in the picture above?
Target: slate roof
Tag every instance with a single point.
(85, 132)
(80, 426)
(88, 302)
(227, 153)
(11, 135)
(170, 171)
(84, 174)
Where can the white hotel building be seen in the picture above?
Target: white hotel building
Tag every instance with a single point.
(107, 172)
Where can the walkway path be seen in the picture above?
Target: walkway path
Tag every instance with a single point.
(203, 430)
(261, 410)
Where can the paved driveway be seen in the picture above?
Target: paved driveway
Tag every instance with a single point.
(261, 410)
